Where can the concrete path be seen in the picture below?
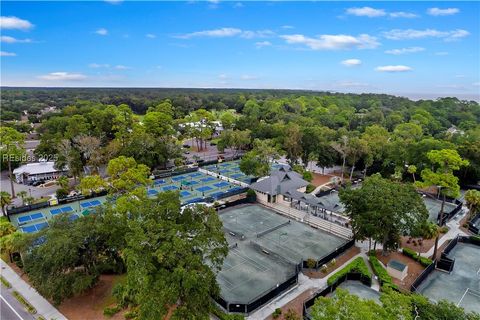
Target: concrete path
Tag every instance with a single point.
(44, 308)
(454, 230)
(304, 284)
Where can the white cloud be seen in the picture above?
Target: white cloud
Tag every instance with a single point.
(287, 27)
(121, 67)
(262, 44)
(215, 33)
(63, 76)
(97, 65)
(333, 42)
(351, 62)
(402, 14)
(150, 35)
(366, 12)
(257, 34)
(214, 1)
(102, 31)
(14, 23)
(7, 54)
(238, 5)
(405, 50)
(223, 76)
(397, 68)
(441, 53)
(442, 12)
(476, 84)
(404, 34)
(228, 32)
(248, 77)
(8, 39)
(113, 1)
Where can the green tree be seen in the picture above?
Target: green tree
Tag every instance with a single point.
(5, 200)
(23, 195)
(292, 143)
(446, 162)
(90, 184)
(412, 169)
(257, 161)
(126, 175)
(9, 236)
(400, 211)
(74, 254)
(11, 149)
(172, 256)
(472, 197)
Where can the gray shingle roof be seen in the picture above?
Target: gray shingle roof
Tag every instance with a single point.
(279, 182)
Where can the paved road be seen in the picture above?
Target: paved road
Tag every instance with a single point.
(36, 192)
(11, 309)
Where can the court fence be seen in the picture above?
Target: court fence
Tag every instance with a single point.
(338, 251)
(354, 276)
(47, 204)
(445, 263)
(474, 224)
(260, 300)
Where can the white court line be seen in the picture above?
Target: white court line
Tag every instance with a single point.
(14, 311)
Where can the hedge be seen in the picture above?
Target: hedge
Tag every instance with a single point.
(5, 282)
(475, 239)
(415, 256)
(224, 316)
(382, 274)
(357, 265)
(24, 302)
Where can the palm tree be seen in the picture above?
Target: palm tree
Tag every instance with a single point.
(8, 243)
(5, 200)
(22, 195)
(63, 182)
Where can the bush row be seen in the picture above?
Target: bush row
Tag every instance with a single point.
(381, 272)
(24, 302)
(415, 256)
(357, 265)
(224, 316)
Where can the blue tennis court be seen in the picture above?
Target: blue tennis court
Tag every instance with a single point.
(207, 179)
(73, 217)
(33, 216)
(168, 188)
(157, 182)
(56, 211)
(152, 192)
(184, 193)
(67, 209)
(203, 189)
(34, 228)
(221, 184)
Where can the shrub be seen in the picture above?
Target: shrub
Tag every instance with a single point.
(276, 313)
(475, 239)
(357, 265)
(310, 188)
(291, 315)
(324, 268)
(5, 282)
(382, 274)
(62, 193)
(24, 302)
(332, 262)
(311, 263)
(130, 314)
(224, 316)
(415, 256)
(110, 311)
(443, 229)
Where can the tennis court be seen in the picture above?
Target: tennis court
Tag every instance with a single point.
(359, 289)
(433, 207)
(37, 219)
(193, 187)
(462, 285)
(231, 170)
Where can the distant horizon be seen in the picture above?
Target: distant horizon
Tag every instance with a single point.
(418, 49)
(411, 95)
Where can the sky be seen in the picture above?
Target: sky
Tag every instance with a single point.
(417, 49)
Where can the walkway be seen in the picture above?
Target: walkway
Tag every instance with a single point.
(44, 308)
(304, 283)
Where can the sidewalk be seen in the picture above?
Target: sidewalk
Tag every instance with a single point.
(304, 283)
(44, 308)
